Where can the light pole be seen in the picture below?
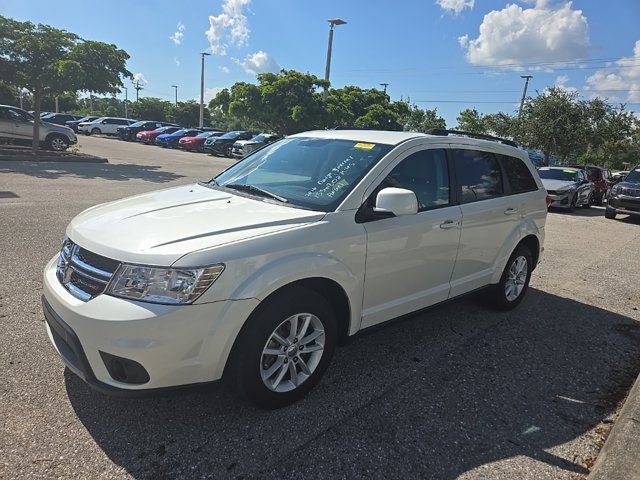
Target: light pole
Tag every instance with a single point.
(176, 87)
(524, 92)
(333, 22)
(126, 98)
(384, 85)
(203, 54)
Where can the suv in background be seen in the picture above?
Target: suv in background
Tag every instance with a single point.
(624, 196)
(16, 126)
(59, 118)
(259, 272)
(223, 145)
(104, 125)
(242, 148)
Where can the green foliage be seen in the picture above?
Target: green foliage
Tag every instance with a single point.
(103, 65)
(150, 108)
(419, 120)
(470, 120)
(188, 114)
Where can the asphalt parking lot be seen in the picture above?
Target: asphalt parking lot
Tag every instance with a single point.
(458, 392)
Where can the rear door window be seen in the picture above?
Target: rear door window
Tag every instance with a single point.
(478, 174)
(518, 175)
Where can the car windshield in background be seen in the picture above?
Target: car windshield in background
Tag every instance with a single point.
(138, 124)
(566, 174)
(633, 176)
(181, 131)
(230, 135)
(314, 173)
(205, 134)
(260, 138)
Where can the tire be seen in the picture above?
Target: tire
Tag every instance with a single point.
(249, 363)
(95, 131)
(229, 152)
(610, 213)
(57, 143)
(598, 199)
(498, 297)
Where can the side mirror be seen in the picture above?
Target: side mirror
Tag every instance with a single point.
(398, 201)
(103, 122)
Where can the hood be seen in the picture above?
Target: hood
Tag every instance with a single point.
(551, 184)
(163, 136)
(242, 143)
(158, 228)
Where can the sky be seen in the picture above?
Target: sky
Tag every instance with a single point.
(444, 54)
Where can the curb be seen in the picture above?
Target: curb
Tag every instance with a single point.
(619, 458)
(52, 158)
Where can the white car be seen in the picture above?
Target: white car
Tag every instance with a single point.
(104, 126)
(258, 273)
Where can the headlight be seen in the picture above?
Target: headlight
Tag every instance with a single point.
(162, 285)
(615, 189)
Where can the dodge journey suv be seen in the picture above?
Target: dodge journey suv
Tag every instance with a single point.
(255, 275)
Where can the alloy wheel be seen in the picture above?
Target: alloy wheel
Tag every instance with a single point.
(292, 352)
(58, 144)
(516, 278)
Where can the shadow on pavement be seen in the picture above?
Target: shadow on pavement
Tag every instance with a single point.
(433, 396)
(107, 171)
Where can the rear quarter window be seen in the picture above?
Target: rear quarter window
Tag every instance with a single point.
(518, 175)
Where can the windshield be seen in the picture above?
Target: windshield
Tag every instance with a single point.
(566, 174)
(259, 138)
(205, 134)
(633, 176)
(230, 135)
(138, 124)
(314, 173)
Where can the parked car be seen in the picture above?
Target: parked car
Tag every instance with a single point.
(129, 132)
(104, 125)
(624, 197)
(148, 137)
(567, 187)
(619, 176)
(260, 272)
(60, 118)
(242, 148)
(195, 144)
(223, 145)
(73, 124)
(16, 126)
(600, 177)
(170, 140)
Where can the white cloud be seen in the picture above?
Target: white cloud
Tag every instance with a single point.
(516, 35)
(209, 93)
(455, 6)
(224, 69)
(259, 62)
(178, 35)
(620, 81)
(229, 27)
(561, 82)
(139, 78)
(176, 61)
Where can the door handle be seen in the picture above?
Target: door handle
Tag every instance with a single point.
(450, 224)
(511, 211)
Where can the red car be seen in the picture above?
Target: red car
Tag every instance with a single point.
(149, 136)
(194, 144)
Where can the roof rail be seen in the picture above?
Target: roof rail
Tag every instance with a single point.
(444, 132)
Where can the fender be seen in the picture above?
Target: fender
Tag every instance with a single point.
(283, 271)
(526, 227)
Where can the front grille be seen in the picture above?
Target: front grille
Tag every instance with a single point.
(630, 192)
(83, 273)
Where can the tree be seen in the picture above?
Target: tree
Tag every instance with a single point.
(420, 120)
(470, 120)
(152, 109)
(188, 114)
(49, 61)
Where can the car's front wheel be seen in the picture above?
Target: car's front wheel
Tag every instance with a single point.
(95, 131)
(58, 143)
(514, 281)
(284, 349)
(610, 213)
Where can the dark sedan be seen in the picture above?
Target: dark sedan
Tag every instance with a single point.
(129, 132)
(625, 196)
(223, 145)
(59, 118)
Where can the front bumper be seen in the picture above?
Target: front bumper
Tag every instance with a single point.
(624, 205)
(560, 200)
(178, 346)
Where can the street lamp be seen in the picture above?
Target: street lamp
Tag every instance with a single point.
(126, 97)
(176, 87)
(203, 54)
(333, 22)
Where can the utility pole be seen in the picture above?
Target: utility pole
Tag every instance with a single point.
(176, 88)
(126, 98)
(21, 93)
(203, 54)
(333, 22)
(524, 92)
(57, 109)
(384, 85)
(138, 87)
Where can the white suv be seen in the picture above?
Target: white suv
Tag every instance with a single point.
(258, 273)
(104, 126)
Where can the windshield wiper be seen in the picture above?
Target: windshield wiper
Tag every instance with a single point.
(209, 183)
(255, 190)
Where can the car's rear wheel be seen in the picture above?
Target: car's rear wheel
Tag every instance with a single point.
(609, 213)
(514, 282)
(284, 349)
(58, 143)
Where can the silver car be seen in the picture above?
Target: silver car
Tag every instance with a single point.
(567, 187)
(16, 126)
